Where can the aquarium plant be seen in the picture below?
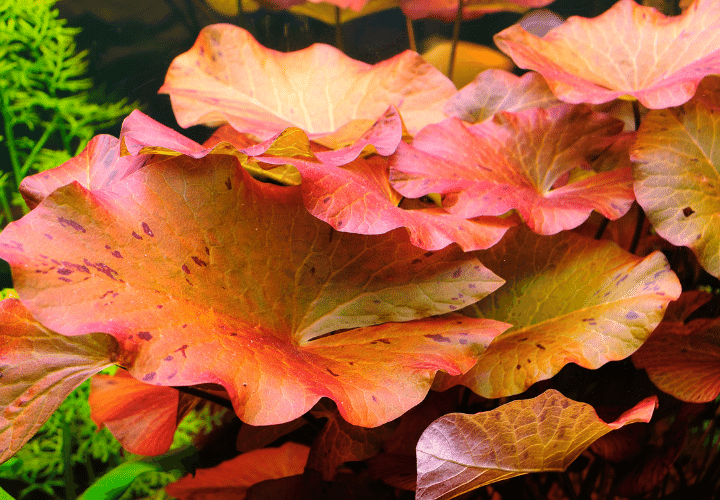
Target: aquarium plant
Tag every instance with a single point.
(399, 288)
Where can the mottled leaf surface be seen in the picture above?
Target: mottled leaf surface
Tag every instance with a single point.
(142, 417)
(446, 10)
(39, 369)
(459, 453)
(231, 479)
(684, 359)
(521, 161)
(677, 173)
(229, 77)
(629, 50)
(153, 258)
(572, 300)
(496, 90)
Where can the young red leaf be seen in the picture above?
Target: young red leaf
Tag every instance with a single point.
(459, 453)
(518, 161)
(142, 417)
(497, 90)
(205, 275)
(677, 173)
(356, 197)
(629, 50)
(340, 442)
(38, 370)
(231, 479)
(228, 77)
(572, 300)
(446, 10)
(683, 359)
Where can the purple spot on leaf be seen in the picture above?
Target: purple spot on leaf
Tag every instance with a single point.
(199, 262)
(185, 268)
(144, 335)
(438, 338)
(148, 377)
(64, 271)
(146, 229)
(137, 236)
(71, 223)
(332, 373)
(632, 315)
(117, 254)
(168, 358)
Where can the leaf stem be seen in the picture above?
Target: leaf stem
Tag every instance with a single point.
(338, 30)
(455, 38)
(70, 493)
(601, 228)
(194, 391)
(25, 168)
(411, 34)
(10, 137)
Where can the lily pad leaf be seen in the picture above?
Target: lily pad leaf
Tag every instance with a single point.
(630, 50)
(231, 479)
(40, 368)
(151, 260)
(446, 10)
(228, 77)
(142, 417)
(677, 173)
(683, 360)
(496, 90)
(485, 169)
(572, 299)
(459, 453)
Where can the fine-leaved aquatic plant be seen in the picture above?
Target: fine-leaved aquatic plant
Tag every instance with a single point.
(370, 247)
(47, 107)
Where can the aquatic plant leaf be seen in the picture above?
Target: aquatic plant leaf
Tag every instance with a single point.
(683, 360)
(39, 369)
(630, 50)
(231, 479)
(677, 173)
(497, 90)
(150, 261)
(446, 10)
(459, 453)
(572, 300)
(228, 77)
(519, 161)
(339, 442)
(142, 417)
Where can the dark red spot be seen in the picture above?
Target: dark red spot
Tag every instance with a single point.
(107, 247)
(188, 282)
(416, 261)
(135, 235)
(456, 273)
(148, 377)
(184, 326)
(325, 200)
(332, 373)
(540, 346)
(438, 338)
(144, 335)
(146, 229)
(76, 267)
(67, 280)
(67, 222)
(687, 211)
(463, 341)
(631, 315)
(207, 250)
(168, 358)
(182, 350)
(64, 271)
(185, 268)
(117, 254)
(339, 224)
(228, 183)
(384, 341)
(159, 306)
(518, 367)
(374, 398)
(428, 254)
(109, 292)
(48, 236)
(199, 262)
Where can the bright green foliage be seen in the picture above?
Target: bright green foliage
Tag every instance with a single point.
(46, 110)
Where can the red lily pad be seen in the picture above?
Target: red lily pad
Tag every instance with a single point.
(459, 453)
(173, 260)
(630, 50)
(228, 77)
(677, 173)
(39, 369)
(572, 299)
(521, 161)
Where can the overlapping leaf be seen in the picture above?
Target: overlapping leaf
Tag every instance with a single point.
(206, 275)
(39, 369)
(229, 77)
(356, 197)
(629, 50)
(684, 359)
(572, 300)
(459, 452)
(497, 90)
(231, 479)
(677, 173)
(142, 417)
(523, 161)
(446, 10)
